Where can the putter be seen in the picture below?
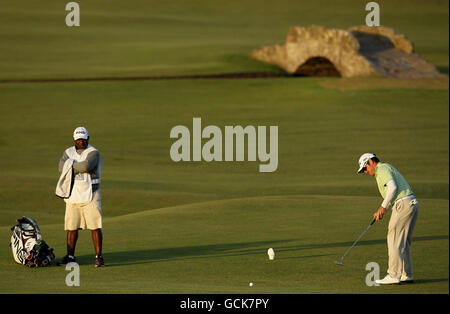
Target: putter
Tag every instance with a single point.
(341, 262)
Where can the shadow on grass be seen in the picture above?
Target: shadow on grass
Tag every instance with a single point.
(223, 250)
(179, 253)
(443, 69)
(419, 281)
(360, 243)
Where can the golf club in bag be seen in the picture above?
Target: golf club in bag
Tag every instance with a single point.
(341, 262)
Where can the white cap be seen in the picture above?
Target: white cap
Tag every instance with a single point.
(363, 161)
(80, 133)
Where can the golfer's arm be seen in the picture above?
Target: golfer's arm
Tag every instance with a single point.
(390, 193)
(88, 164)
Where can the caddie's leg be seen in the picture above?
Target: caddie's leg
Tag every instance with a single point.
(97, 238)
(72, 237)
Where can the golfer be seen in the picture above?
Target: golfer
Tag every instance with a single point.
(398, 196)
(83, 207)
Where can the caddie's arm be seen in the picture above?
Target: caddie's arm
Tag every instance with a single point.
(88, 164)
(391, 190)
(62, 161)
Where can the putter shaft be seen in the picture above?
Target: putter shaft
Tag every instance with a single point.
(354, 243)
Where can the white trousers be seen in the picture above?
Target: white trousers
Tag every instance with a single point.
(399, 238)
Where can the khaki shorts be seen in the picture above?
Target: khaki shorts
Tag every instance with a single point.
(84, 215)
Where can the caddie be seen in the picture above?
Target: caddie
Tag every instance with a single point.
(83, 206)
(398, 196)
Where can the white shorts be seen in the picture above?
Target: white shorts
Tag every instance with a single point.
(84, 215)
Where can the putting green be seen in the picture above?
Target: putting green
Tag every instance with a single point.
(221, 246)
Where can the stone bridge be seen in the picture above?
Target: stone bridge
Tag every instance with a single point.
(358, 51)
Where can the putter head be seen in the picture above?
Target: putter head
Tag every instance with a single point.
(340, 263)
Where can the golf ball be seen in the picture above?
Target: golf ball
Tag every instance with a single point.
(251, 284)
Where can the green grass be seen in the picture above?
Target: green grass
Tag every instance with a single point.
(220, 246)
(205, 227)
(198, 227)
(151, 38)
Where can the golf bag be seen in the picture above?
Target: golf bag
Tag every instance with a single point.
(27, 245)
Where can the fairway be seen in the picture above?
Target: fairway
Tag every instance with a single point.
(205, 227)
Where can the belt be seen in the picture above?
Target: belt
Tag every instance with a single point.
(405, 198)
